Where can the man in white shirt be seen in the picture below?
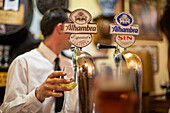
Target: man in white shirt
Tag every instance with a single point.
(31, 80)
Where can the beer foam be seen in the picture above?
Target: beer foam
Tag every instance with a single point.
(115, 85)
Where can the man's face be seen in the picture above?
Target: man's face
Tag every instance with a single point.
(66, 37)
(66, 43)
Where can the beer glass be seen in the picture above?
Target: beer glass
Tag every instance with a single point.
(71, 76)
(70, 97)
(114, 90)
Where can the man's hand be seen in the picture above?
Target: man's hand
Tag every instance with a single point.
(51, 85)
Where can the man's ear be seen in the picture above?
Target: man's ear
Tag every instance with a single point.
(60, 28)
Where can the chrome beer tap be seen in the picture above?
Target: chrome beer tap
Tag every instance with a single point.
(74, 54)
(124, 32)
(116, 56)
(84, 68)
(132, 61)
(81, 29)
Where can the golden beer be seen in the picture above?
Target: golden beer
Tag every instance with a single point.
(71, 85)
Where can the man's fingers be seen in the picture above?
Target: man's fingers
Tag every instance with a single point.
(56, 87)
(59, 81)
(62, 88)
(57, 73)
(56, 94)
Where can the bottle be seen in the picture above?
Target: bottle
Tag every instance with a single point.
(4, 54)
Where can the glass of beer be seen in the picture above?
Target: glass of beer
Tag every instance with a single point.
(114, 91)
(71, 76)
(70, 97)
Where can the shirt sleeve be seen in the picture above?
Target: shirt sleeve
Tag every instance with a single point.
(17, 99)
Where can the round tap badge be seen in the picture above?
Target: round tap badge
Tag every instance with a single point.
(124, 30)
(80, 28)
(125, 40)
(80, 40)
(124, 19)
(80, 16)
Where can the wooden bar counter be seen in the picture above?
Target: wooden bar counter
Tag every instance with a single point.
(155, 104)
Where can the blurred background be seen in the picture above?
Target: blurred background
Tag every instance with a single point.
(20, 32)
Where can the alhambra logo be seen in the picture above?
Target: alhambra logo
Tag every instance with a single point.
(124, 25)
(80, 17)
(80, 28)
(124, 19)
(124, 30)
(80, 23)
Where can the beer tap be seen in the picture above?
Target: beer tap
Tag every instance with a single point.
(75, 50)
(116, 56)
(84, 70)
(124, 31)
(132, 61)
(83, 64)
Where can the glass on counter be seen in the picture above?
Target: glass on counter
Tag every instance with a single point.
(114, 90)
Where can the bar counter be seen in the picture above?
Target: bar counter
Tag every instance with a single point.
(155, 104)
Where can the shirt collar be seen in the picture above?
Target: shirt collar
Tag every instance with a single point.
(48, 53)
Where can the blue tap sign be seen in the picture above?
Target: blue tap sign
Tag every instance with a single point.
(124, 30)
(124, 25)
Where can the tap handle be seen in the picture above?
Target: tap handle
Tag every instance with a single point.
(104, 46)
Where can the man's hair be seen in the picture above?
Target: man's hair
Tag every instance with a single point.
(51, 18)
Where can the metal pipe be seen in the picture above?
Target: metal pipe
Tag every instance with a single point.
(85, 72)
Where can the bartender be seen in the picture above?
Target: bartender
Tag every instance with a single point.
(31, 81)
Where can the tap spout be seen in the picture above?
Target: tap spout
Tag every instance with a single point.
(85, 73)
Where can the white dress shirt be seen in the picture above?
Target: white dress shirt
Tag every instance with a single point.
(26, 73)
